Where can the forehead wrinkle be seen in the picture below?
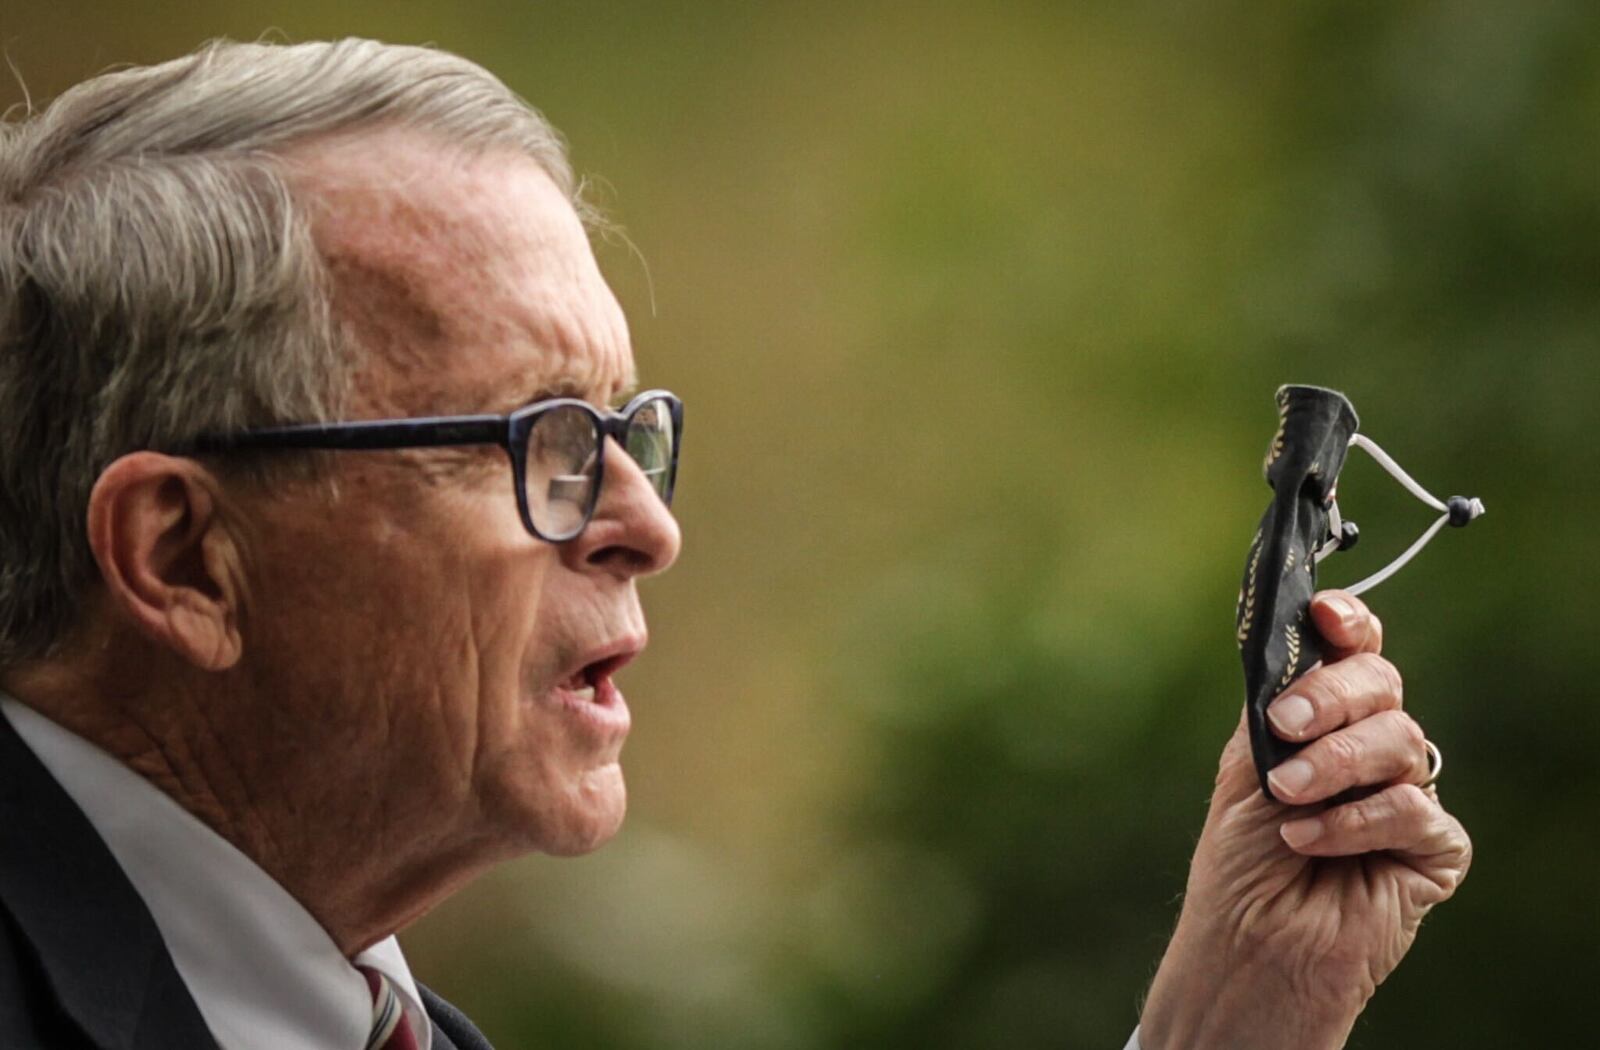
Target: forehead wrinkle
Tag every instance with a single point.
(496, 395)
(582, 351)
(443, 259)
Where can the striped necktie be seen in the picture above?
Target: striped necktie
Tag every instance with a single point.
(389, 1028)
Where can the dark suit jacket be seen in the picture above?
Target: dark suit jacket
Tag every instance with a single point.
(82, 965)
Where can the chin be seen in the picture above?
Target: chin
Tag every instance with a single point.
(593, 817)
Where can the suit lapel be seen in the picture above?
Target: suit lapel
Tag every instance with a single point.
(96, 942)
(441, 1041)
(451, 1028)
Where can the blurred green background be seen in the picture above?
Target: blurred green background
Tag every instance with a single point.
(978, 311)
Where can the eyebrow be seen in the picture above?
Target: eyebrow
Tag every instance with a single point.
(497, 401)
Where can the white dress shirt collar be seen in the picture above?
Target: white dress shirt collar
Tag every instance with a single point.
(264, 973)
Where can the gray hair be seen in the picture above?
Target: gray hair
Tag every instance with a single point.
(158, 277)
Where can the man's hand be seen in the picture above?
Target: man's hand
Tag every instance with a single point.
(1295, 913)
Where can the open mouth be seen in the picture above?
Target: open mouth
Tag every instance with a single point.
(592, 682)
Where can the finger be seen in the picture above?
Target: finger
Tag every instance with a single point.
(1383, 749)
(1401, 818)
(1335, 695)
(1346, 624)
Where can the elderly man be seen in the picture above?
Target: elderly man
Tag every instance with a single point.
(321, 537)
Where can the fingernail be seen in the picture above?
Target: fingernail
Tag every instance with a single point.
(1341, 608)
(1298, 833)
(1291, 714)
(1291, 778)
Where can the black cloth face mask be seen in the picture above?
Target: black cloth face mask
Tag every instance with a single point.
(1302, 525)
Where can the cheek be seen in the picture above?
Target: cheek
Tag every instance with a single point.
(508, 629)
(377, 638)
(417, 601)
(454, 555)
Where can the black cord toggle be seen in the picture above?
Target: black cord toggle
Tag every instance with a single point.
(1462, 510)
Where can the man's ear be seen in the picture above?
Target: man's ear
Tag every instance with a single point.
(167, 559)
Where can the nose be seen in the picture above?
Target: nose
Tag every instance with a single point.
(632, 533)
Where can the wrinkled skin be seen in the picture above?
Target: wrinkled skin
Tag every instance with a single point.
(365, 682)
(1281, 946)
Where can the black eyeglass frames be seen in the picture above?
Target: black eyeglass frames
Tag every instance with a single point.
(557, 449)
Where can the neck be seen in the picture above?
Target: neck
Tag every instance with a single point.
(369, 863)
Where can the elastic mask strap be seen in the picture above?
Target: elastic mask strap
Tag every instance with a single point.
(1336, 538)
(1458, 511)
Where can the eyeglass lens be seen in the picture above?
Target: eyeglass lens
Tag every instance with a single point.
(562, 454)
(562, 444)
(649, 442)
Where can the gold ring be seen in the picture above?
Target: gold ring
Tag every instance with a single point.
(1435, 762)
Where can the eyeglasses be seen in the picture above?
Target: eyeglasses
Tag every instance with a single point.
(557, 449)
